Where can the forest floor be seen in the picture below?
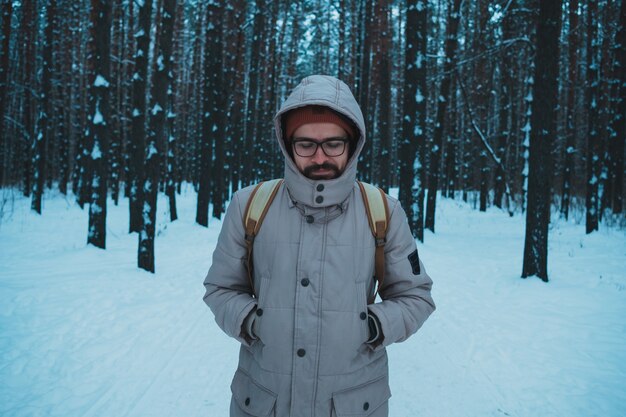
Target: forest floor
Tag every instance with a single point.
(84, 332)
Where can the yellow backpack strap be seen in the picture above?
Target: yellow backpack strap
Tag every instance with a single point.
(377, 209)
(257, 207)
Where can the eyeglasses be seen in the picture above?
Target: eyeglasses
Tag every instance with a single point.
(331, 147)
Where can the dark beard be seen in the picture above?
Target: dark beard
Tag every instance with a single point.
(308, 171)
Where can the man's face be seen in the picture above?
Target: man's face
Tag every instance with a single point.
(320, 166)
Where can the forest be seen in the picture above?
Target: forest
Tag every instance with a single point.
(517, 104)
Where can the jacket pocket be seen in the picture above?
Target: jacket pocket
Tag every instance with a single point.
(250, 397)
(368, 399)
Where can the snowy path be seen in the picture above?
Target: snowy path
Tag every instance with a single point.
(83, 332)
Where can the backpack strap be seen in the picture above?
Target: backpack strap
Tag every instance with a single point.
(258, 205)
(377, 209)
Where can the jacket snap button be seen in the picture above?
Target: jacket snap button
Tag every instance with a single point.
(319, 199)
(366, 406)
(320, 187)
(305, 282)
(259, 311)
(363, 315)
(309, 219)
(247, 401)
(301, 352)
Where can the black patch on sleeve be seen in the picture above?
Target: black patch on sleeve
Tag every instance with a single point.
(415, 262)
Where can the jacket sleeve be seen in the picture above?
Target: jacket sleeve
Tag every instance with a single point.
(228, 292)
(407, 301)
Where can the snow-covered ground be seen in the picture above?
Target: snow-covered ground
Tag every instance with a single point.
(83, 332)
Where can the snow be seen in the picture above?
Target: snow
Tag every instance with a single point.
(156, 109)
(95, 209)
(160, 63)
(418, 96)
(419, 59)
(87, 333)
(98, 119)
(497, 16)
(95, 151)
(100, 81)
(152, 150)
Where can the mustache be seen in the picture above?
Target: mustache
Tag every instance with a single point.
(326, 165)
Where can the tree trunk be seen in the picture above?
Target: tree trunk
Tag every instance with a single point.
(256, 58)
(234, 129)
(156, 135)
(412, 175)
(138, 116)
(217, 115)
(29, 29)
(7, 12)
(617, 137)
(543, 130)
(171, 131)
(99, 109)
(504, 110)
(528, 100)
(364, 95)
(385, 120)
(593, 128)
(482, 95)
(442, 104)
(44, 113)
(570, 122)
(210, 125)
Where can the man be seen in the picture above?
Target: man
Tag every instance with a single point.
(312, 342)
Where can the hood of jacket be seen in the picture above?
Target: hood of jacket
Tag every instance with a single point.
(321, 90)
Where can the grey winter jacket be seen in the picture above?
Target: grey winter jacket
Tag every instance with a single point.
(313, 274)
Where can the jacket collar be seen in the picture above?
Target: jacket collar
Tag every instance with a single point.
(319, 193)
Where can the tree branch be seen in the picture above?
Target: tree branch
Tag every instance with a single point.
(488, 147)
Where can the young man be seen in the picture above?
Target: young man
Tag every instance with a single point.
(312, 340)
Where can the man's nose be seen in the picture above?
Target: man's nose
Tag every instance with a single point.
(319, 155)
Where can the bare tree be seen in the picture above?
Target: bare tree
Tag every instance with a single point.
(7, 12)
(43, 115)
(412, 173)
(138, 127)
(99, 128)
(593, 126)
(442, 104)
(617, 137)
(543, 130)
(210, 121)
(570, 133)
(156, 134)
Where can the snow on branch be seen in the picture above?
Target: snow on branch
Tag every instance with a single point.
(488, 147)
